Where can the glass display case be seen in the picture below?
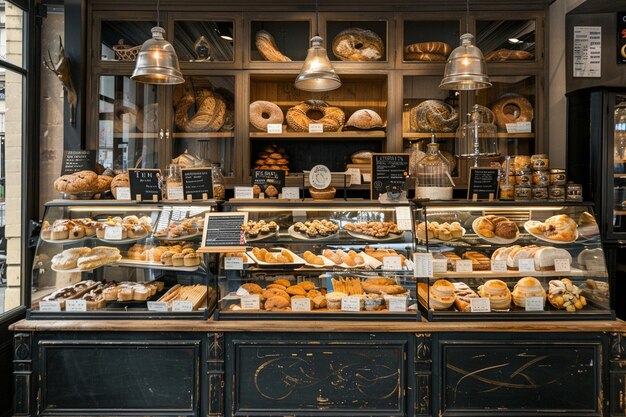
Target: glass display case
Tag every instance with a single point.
(110, 259)
(336, 259)
(507, 261)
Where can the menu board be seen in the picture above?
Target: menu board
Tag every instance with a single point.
(270, 182)
(197, 183)
(483, 183)
(389, 173)
(74, 161)
(145, 184)
(224, 232)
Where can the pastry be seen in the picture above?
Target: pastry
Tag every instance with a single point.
(452, 258)
(420, 56)
(208, 109)
(512, 108)
(178, 259)
(356, 44)
(463, 295)
(307, 286)
(298, 120)
(365, 119)
(141, 293)
(434, 115)
(68, 259)
(76, 232)
(436, 48)
(296, 290)
(125, 293)
(266, 45)
(60, 232)
(485, 228)
(282, 281)
(374, 229)
(382, 286)
(506, 229)
(561, 228)
(271, 292)
(527, 287)
(99, 256)
(563, 294)
(498, 293)
(110, 293)
(313, 259)
(121, 180)
(480, 262)
(263, 113)
(503, 54)
(252, 288)
(192, 259)
(441, 295)
(277, 303)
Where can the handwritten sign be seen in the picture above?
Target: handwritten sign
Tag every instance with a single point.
(527, 265)
(145, 184)
(76, 305)
(483, 183)
(480, 305)
(250, 302)
(498, 265)
(389, 173)
(269, 181)
(223, 231)
(291, 193)
(300, 304)
(276, 128)
(562, 265)
(197, 183)
(534, 303)
(350, 304)
(423, 265)
(244, 192)
(50, 306)
(74, 161)
(233, 263)
(182, 305)
(463, 265)
(157, 306)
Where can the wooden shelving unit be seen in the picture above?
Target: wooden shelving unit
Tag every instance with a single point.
(345, 135)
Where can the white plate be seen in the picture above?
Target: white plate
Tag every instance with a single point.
(297, 261)
(154, 265)
(262, 236)
(345, 265)
(497, 240)
(533, 223)
(364, 236)
(122, 241)
(65, 241)
(327, 263)
(74, 269)
(298, 235)
(439, 240)
(177, 239)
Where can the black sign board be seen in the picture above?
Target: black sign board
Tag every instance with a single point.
(197, 183)
(224, 232)
(483, 183)
(145, 184)
(621, 38)
(269, 181)
(74, 161)
(389, 173)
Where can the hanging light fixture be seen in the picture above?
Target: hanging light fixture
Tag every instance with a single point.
(317, 73)
(466, 68)
(157, 62)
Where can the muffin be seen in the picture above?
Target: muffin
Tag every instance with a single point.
(178, 259)
(191, 259)
(166, 258)
(506, 229)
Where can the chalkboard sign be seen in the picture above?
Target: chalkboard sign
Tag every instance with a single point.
(269, 181)
(389, 173)
(197, 183)
(224, 232)
(74, 161)
(145, 184)
(483, 183)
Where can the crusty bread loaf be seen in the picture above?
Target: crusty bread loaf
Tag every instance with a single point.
(433, 115)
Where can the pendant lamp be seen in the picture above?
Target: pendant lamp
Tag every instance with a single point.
(317, 73)
(466, 68)
(157, 62)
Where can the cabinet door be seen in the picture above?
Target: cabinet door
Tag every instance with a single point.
(616, 132)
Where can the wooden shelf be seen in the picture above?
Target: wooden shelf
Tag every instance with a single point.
(347, 135)
(136, 135)
(574, 272)
(202, 135)
(427, 135)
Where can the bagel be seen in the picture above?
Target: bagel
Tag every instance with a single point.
(512, 108)
(437, 48)
(148, 118)
(210, 111)
(263, 113)
(433, 115)
(423, 56)
(501, 55)
(332, 118)
(356, 44)
(124, 116)
(365, 119)
(266, 46)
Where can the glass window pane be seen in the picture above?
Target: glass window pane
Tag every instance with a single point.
(11, 33)
(506, 40)
(204, 41)
(121, 39)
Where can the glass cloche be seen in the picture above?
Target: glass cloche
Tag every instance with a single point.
(433, 180)
(478, 136)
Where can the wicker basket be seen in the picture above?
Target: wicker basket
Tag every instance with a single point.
(126, 52)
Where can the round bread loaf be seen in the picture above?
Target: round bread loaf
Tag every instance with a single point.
(356, 44)
(210, 111)
(263, 113)
(298, 118)
(266, 46)
(512, 108)
(365, 119)
(422, 56)
(501, 55)
(434, 48)
(433, 115)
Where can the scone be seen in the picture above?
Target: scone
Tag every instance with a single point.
(527, 287)
(498, 293)
(441, 295)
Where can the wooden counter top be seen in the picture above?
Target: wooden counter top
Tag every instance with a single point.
(314, 326)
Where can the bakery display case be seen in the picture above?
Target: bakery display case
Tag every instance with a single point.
(308, 260)
(111, 259)
(507, 261)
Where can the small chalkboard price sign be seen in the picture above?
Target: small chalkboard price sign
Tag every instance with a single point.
(483, 183)
(145, 184)
(74, 161)
(223, 232)
(197, 183)
(389, 173)
(269, 181)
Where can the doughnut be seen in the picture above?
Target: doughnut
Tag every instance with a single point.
(504, 54)
(148, 118)
(124, 116)
(210, 111)
(263, 113)
(422, 56)
(437, 48)
(266, 45)
(357, 44)
(298, 120)
(433, 115)
(365, 119)
(512, 108)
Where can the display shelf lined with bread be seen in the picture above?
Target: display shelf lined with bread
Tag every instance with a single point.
(498, 261)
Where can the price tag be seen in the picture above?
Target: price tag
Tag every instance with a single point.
(519, 127)
(275, 128)
(300, 304)
(123, 193)
(113, 233)
(526, 265)
(316, 128)
(423, 265)
(50, 306)
(233, 263)
(180, 305)
(534, 304)
(595, 265)
(157, 306)
(480, 305)
(397, 304)
(355, 175)
(244, 192)
(351, 304)
(175, 193)
(291, 193)
(562, 265)
(299, 216)
(76, 305)
(440, 265)
(392, 263)
(250, 302)
(367, 177)
(498, 265)
(463, 265)
(403, 218)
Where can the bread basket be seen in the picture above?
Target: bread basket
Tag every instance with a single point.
(126, 52)
(324, 194)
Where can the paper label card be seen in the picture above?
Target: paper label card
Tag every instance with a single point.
(233, 263)
(123, 193)
(175, 193)
(498, 265)
(275, 128)
(480, 305)
(397, 304)
(562, 265)
(113, 233)
(423, 265)
(299, 216)
(316, 128)
(392, 263)
(291, 193)
(250, 302)
(351, 304)
(403, 218)
(244, 192)
(527, 265)
(534, 303)
(519, 127)
(157, 306)
(367, 177)
(440, 265)
(355, 176)
(76, 305)
(182, 305)
(49, 306)
(300, 304)
(463, 265)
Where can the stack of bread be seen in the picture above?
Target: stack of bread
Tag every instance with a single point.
(182, 254)
(272, 157)
(85, 258)
(132, 291)
(196, 294)
(442, 231)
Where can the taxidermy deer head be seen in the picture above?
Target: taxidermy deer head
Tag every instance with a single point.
(62, 69)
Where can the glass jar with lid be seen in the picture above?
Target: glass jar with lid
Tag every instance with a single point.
(478, 136)
(433, 180)
(219, 182)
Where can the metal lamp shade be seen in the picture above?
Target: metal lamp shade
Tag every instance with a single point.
(157, 62)
(466, 68)
(317, 73)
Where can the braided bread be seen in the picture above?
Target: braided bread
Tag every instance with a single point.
(148, 118)
(209, 116)
(333, 118)
(504, 54)
(512, 108)
(266, 45)
(356, 44)
(433, 115)
(438, 48)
